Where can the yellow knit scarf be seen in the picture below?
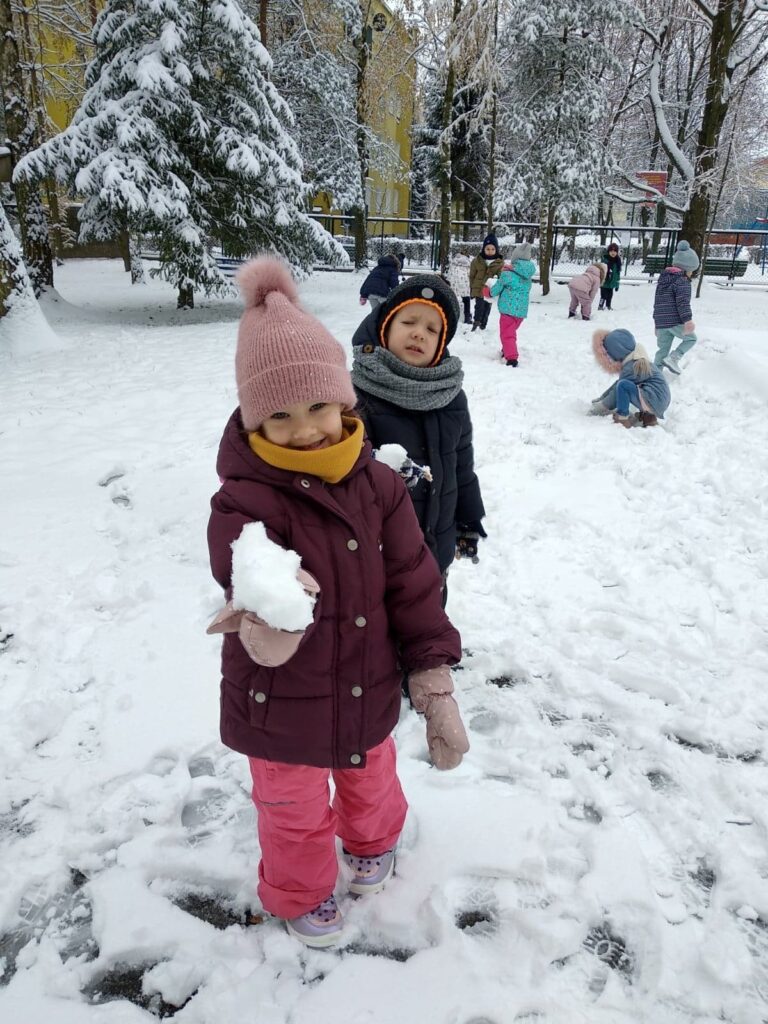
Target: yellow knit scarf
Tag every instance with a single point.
(330, 464)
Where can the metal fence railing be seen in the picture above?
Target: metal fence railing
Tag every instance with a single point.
(731, 253)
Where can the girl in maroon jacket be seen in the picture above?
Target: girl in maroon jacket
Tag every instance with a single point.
(324, 701)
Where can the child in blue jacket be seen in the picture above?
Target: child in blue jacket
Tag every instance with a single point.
(672, 308)
(512, 289)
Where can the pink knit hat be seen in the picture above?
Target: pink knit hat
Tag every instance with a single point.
(284, 355)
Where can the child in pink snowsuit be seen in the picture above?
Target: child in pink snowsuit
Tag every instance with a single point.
(512, 290)
(322, 701)
(584, 288)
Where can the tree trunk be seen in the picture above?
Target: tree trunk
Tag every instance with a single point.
(20, 129)
(186, 298)
(492, 165)
(137, 263)
(492, 139)
(570, 235)
(725, 25)
(124, 244)
(546, 235)
(27, 52)
(263, 22)
(360, 212)
(446, 196)
(661, 220)
(601, 219)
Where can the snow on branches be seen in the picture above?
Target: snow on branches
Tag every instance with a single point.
(181, 137)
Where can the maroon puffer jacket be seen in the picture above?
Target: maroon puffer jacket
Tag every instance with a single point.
(379, 608)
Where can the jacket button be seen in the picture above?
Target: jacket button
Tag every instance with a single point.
(305, 483)
(259, 697)
(355, 759)
(352, 545)
(357, 691)
(360, 621)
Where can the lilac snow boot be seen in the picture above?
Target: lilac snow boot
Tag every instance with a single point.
(320, 927)
(371, 873)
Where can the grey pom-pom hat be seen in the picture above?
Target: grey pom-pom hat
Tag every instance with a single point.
(685, 258)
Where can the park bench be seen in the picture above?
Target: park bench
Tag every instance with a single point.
(713, 266)
(229, 265)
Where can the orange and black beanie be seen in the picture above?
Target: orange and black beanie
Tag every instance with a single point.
(429, 288)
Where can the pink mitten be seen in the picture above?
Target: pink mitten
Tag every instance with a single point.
(689, 328)
(266, 645)
(431, 693)
(486, 292)
(363, 300)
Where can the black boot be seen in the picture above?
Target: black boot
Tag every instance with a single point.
(602, 304)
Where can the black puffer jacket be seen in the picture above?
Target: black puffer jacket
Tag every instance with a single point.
(440, 439)
(383, 278)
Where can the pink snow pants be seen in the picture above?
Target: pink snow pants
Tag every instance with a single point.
(298, 826)
(580, 298)
(508, 326)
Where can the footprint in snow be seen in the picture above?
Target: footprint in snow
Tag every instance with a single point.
(475, 905)
(126, 982)
(63, 916)
(755, 929)
(611, 953)
(111, 476)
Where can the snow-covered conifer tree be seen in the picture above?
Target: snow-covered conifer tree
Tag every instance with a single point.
(14, 280)
(181, 137)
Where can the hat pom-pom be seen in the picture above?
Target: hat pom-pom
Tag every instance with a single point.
(264, 275)
(682, 246)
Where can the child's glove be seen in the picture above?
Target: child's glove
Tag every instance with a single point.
(363, 300)
(397, 458)
(431, 694)
(487, 288)
(467, 537)
(689, 328)
(412, 472)
(264, 644)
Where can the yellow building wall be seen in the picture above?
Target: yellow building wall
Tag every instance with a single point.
(390, 91)
(55, 39)
(391, 82)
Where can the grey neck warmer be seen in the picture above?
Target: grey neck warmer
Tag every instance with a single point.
(421, 388)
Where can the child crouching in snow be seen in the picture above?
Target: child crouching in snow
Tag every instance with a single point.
(584, 288)
(304, 704)
(640, 382)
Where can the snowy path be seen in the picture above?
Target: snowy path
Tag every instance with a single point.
(601, 856)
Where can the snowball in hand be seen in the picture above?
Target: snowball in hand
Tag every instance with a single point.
(392, 455)
(264, 580)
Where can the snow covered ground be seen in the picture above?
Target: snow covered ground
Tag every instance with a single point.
(602, 854)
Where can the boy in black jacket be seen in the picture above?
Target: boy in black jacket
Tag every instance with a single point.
(409, 393)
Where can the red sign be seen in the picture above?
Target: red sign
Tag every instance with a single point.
(657, 180)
